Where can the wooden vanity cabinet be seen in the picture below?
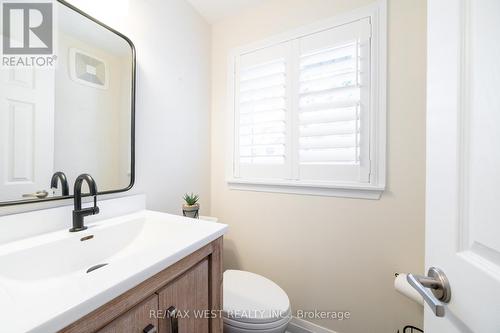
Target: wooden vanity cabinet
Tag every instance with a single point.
(191, 289)
(188, 296)
(137, 319)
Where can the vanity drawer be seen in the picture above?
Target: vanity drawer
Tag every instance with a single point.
(136, 320)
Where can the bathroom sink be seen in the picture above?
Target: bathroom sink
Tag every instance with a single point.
(66, 275)
(62, 253)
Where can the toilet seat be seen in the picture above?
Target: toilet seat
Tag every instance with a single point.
(253, 302)
(254, 326)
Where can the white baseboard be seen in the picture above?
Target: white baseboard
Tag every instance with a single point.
(297, 325)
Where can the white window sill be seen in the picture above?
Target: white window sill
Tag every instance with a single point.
(359, 191)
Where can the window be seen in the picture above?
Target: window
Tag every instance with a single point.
(308, 110)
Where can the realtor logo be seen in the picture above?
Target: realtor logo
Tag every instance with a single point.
(28, 29)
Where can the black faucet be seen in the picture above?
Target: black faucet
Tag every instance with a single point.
(78, 212)
(59, 175)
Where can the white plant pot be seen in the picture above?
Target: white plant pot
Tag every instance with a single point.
(191, 210)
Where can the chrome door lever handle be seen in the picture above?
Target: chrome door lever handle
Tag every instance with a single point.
(439, 293)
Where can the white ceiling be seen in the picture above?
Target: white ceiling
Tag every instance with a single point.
(216, 10)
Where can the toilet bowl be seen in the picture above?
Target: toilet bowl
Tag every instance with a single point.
(253, 303)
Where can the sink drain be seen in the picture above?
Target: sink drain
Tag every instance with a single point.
(93, 268)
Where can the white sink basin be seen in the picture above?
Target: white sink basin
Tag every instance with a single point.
(47, 276)
(63, 253)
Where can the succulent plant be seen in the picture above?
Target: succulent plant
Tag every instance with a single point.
(191, 199)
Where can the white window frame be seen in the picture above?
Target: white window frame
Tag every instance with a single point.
(377, 13)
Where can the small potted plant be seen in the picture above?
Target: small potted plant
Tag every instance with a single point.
(191, 207)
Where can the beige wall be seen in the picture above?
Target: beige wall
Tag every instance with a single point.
(333, 254)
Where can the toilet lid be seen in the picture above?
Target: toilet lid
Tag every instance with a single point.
(251, 298)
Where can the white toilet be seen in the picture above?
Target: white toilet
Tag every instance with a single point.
(254, 304)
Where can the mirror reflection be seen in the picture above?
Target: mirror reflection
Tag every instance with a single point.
(74, 118)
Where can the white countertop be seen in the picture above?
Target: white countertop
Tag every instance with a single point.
(43, 281)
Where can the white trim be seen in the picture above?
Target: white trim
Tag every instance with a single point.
(230, 125)
(377, 12)
(308, 188)
(376, 9)
(297, 325)
(379, 40)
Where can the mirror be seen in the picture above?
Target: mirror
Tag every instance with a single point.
(76, 117)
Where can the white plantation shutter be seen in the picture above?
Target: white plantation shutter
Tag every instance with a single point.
(302, 108)
(262, 106)
(328, 106)
(262, 113)
(333, 104)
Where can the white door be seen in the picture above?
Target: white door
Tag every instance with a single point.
(463, 162)
(26, 131)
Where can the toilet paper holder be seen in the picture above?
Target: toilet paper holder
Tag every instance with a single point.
(402, 286)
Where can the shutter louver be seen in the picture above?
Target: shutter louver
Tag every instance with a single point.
(302, 108)
(262, 113)
(329, 99)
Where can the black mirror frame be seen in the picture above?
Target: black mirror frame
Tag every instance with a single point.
(132, 134)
